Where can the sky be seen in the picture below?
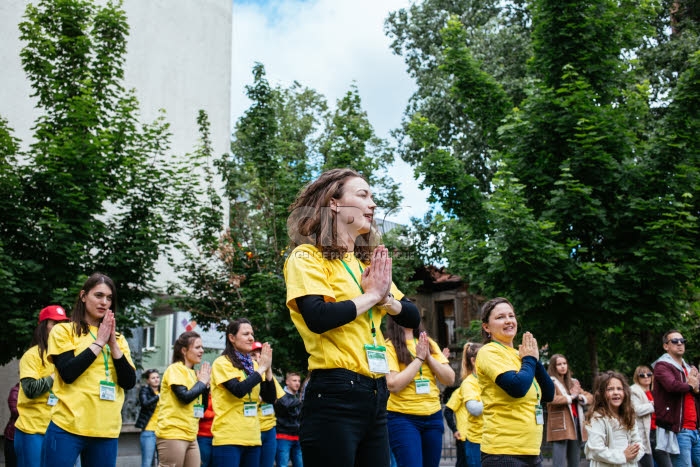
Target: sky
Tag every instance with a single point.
(328, 45)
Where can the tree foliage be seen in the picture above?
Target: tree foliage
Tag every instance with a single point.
(96, 190)
(575, 195)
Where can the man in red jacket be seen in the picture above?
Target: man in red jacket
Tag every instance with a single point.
(676, 395)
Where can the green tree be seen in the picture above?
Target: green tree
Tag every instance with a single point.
(96, 191)
(585, 221)
(349, 141)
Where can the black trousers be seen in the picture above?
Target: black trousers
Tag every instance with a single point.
(343, 420)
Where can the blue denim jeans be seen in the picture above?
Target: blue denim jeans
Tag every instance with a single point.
(236, 456)
(61, 449)
(473, 453)
(28, 448)
(416, 440)
(689, 445)
(148, 447)
(269, 447)
(343, 420)
(287, 450)
(204, 443)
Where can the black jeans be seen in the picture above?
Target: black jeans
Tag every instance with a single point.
(343, 420)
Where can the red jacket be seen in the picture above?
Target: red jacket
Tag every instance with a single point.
(670, 388)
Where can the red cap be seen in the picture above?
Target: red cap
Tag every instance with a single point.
(256, 346)
(54, 312)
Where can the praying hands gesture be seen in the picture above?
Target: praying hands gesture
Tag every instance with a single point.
(529, 347)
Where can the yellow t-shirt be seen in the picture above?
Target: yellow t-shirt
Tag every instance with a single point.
(176, 419)
(407, 401)
(34, 414)
(456, 403)
(153, 422)
(472, 392)
(231, 426)
(79, 409)
(307, 272)
(268, 422)
(509, 423)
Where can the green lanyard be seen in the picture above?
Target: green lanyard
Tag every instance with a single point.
(104, 355)
(534, 381)
(420, 368)
(369, 312)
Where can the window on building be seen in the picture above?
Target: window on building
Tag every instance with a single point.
(149, 338)
(446, 322)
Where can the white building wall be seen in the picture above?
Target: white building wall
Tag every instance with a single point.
(178, 59)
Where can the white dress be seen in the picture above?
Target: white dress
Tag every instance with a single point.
(607, 441)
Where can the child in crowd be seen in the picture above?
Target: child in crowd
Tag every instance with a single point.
(613, 438)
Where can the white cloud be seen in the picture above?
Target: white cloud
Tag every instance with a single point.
(327, 45)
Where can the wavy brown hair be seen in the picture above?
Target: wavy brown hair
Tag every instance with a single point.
(312, 221)
(600, 406)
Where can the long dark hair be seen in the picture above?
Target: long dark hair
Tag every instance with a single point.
(184, 341)
(486, 310)
(77, 317)
(311, 221)
(230, 350)
(395, 334)
(567, 379)
(626, 416)
(40, 338)
(470, 350)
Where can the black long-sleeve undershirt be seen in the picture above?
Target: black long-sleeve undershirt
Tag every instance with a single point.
(186, 396)
(71, 366)
(449, 415)
(321, 316)
(241, 388)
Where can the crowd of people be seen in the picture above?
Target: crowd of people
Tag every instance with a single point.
(372, 397)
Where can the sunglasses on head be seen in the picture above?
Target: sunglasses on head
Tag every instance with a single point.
(645, 375)
(677, 341)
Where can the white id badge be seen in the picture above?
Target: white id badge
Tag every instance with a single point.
(250, 409)
(539, 416)
(422, 386)
(267, 409)
(376, 357)
(52, 400)
(108, 391)
(198, 411)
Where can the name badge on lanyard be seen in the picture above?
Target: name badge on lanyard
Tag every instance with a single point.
(250, 409)
(422, 386)
(52, 400)
(539, 416)
(198, 411)
(108, 391)
(376, 358)
(267, 409)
